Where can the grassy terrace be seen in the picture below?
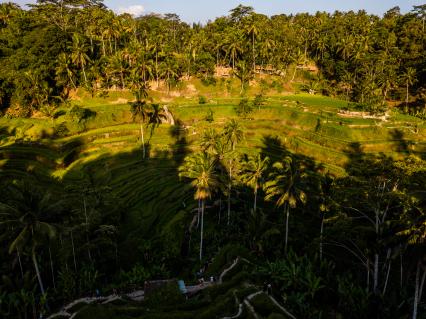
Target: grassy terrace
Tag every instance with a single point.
(110, 140)
(108, 144)
(304, 123)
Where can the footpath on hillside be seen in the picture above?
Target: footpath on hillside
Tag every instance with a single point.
(139, 295)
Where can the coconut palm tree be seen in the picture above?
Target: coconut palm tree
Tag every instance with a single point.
(252, 30)
(325, 192)
(156, 117)
(200, 168)
(209, 140)
(409, 78)
(244, 73)
(79, 56)
(231, 163)
(140, 110)
(233, 133)
(233, 47)
(64, 70)
(253, 171)
(284, 186)
(30, 215)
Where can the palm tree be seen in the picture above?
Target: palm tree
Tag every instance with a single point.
(140, 110)
(64, 70)
(156, 117)
(200, 168)
(325, 193)
(169, 69)
(79, 53)
(232, 133)
(231, 163)
(30, 213)
(209, 141)
(284, 185)
(409, 77)
(233, 47)
(252, 31)
(244, 73)
(253, 171)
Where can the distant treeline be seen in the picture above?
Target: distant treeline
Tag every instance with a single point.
(56, 46)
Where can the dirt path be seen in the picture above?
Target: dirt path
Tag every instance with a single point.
(139, 295)
(234, 263)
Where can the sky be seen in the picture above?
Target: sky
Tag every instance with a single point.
(203, 10)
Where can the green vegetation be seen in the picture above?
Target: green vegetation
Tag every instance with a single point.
(283, 156)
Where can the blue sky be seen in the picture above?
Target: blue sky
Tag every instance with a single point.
(202, 10)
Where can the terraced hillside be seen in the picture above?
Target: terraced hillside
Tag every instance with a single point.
(106, 145)
(102, 147)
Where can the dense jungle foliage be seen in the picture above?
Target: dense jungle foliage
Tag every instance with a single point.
(82, 209)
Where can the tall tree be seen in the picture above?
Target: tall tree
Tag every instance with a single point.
(200, 168)
(409, 78)
(253, 172)
(79, 54)
(30, 214)
(284, 185)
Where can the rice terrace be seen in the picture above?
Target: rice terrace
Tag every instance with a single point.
(256, 164)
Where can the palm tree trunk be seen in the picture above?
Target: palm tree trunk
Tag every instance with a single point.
(321, 237)
(198, 213)
(387, 278)
(202, 229)
(122, 79)
(416, 291)
(400, 267)
(103, 46)
(422, 282)
(40, 282)
(254, 56)
(73, 251)
(20, 263)
(287, 209)
(72, 82)
(156, 68)
(142, 140)
(368, 275)
(220, 208)
(406, 99)
(376, 273)
(84, 75)
(51, 268)
(87, 230)
(229, 193)
(294, 74)
(255, 199)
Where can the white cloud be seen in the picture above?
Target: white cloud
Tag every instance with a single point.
(135, 10)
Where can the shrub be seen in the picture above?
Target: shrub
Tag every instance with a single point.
(209, 80)
(79, 114)
(264, 306)
(218, 290)
(226, 255)
(243, 108)
(202, 99)
(259, 100)
(168, 295)
(209, 116)
(136, 276)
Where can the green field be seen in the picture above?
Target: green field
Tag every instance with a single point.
(107, 146)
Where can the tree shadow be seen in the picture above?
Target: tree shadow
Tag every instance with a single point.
(402, 145)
